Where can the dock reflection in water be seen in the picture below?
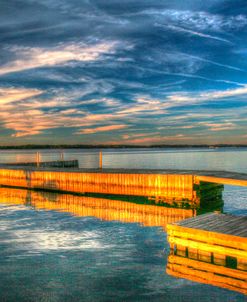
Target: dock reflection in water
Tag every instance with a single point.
(209, 273)
(102, 208)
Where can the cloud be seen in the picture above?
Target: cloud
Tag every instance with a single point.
(201, 20)
(141, 106)
(204, 96)
(159, 139)
(102, 129)
(89, 67)
(217, 64)
(36, 57)
(224, 126)
(193, 32)
(11, 95)
(30, 112)
(137, 135)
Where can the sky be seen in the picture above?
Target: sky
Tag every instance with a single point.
(123, 72)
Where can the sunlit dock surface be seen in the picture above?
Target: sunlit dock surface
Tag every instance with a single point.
(223, 177)
(161, 185)
(210, 248)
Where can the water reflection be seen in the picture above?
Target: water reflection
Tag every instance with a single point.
(102, 208)
(205, 267)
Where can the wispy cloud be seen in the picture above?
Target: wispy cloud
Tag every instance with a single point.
(34, 57)
(138, 135)
(201, 20)
(135, 73)
(102, 129)
(11, 95)
(159, 139)
(223, 126)
(193, 32)
(29, 112)
(216, 64)
(211, 95)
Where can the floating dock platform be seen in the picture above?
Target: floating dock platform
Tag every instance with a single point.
(163, 185)
(210, 248)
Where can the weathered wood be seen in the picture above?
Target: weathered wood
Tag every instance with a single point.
(106, 183)
(224, 180)
(212, 238)
(212, 241)
(233, 252)
(226, 224)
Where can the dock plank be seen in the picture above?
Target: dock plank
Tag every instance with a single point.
(220, 223)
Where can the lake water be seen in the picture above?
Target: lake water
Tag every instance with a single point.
(226, 159)
(63, 255)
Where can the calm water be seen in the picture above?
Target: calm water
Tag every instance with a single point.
(50, 255)
(230, 159)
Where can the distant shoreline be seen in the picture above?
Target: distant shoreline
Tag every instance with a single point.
(33, 147)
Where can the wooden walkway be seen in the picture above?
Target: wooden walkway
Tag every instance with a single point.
(165, 184)
(210, 248)
(220, 177)
(223, 223)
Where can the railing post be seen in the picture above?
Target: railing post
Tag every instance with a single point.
(100, 159)
(38, 159)
(61, 155)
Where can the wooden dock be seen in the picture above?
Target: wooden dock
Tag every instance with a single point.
(120, 183)
(74, 163)
(210, 248)
(164, 185)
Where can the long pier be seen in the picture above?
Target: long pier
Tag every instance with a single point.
(163, 184)
(210, 248)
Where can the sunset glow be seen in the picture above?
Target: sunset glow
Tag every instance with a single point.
(96, 72)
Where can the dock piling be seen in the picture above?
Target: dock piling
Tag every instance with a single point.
(100, 160)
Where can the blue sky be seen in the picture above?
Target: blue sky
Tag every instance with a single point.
(123, 72)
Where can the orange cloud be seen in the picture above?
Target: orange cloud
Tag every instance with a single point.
(102, 129)
(156, 139)
(219, 126)
(10, 95)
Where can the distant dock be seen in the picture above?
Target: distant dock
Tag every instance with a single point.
(74, 163)
(210, 248)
